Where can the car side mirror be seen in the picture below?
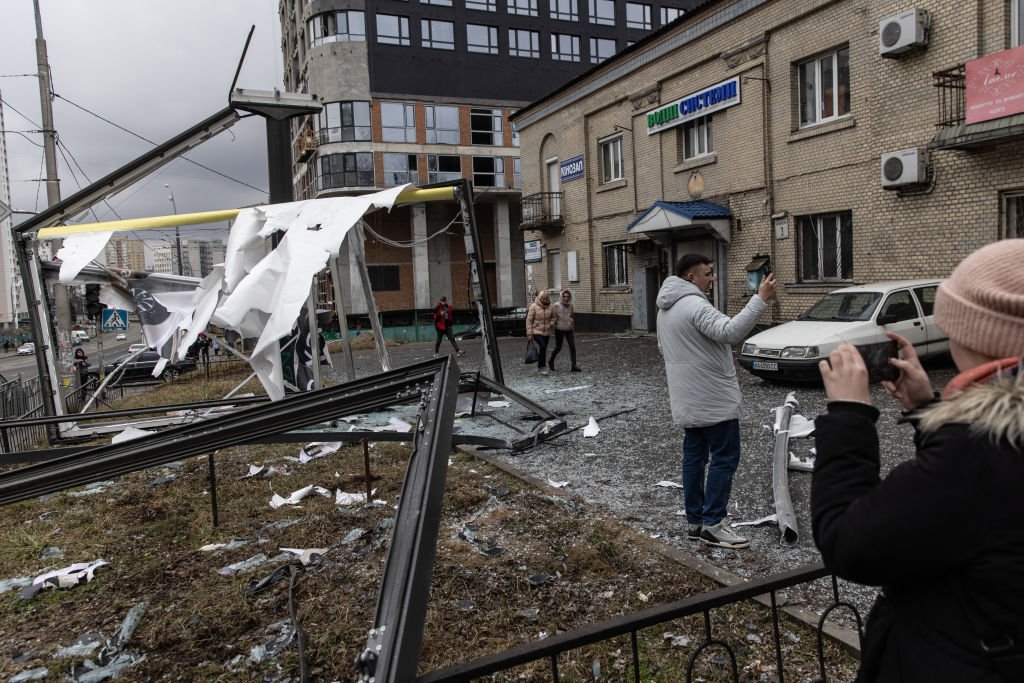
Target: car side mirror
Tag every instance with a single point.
(886, 319)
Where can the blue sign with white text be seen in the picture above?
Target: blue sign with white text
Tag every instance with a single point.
(571, 169)
(114, 320)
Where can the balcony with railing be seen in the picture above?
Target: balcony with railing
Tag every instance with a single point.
(305, 145)
(953, 131)
(542, 211)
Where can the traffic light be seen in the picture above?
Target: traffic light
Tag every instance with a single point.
(92, 301)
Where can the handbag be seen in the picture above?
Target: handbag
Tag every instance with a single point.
(532, 355)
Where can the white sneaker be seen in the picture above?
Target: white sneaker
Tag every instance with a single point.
(722, 536)
(544, 371)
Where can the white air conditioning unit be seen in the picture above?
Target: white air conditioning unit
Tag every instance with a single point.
(903, 32)
(906, 167)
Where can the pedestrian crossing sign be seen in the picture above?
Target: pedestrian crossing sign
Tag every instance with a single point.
(114, 320)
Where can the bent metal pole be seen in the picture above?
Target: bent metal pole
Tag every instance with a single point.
(780, 472)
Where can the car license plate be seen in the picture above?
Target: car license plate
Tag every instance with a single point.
(765, 365)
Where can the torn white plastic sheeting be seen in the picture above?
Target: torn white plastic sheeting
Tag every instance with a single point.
(557, 484)
(296, 497)
(268, 293)
(78, 251)
(801, 464)
(263, 472)
(342, 498)
(305, 555)
(66, 577)
(399, 425)
(318, 449)
(561, 391)
(800, 427)
(770, 519)
(669, 484)
(129, 434)
(231, 545)
(591, 429)
(498, 404)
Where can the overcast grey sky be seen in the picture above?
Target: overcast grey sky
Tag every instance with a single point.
(152, 66)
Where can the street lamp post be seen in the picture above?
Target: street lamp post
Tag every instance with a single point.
(177, 232)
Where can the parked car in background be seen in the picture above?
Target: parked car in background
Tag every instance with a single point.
(137, 347)
(27, 349)
(507, 322)
(861, 315)
(121, 336)
(140, 369)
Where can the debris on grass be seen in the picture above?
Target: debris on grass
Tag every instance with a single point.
(591, 429)
(296, 496)
(66, 577)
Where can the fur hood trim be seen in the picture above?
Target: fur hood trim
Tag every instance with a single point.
(995, 409)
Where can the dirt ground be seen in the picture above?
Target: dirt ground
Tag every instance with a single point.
(515, 563)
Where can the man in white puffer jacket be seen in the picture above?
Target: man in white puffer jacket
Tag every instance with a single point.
(695, 340)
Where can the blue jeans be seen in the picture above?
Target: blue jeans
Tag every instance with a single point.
(706, 502)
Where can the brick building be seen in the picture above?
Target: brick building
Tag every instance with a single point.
(420, 91)
(832, 136)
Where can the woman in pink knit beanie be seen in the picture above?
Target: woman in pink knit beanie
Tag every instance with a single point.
(943, 533)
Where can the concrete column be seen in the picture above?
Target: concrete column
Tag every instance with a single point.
(439, 254)
(420, 258)
(503, 254)
(347, 265)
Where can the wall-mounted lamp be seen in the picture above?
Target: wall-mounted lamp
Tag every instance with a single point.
(618, 127)
(744, 79)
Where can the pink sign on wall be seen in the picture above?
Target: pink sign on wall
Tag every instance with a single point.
(995, 86)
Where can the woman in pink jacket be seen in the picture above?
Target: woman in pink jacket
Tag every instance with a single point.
(540, 322)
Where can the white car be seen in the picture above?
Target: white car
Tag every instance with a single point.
(137, 347)
(861, 315)
(120, 336)
(26, 349)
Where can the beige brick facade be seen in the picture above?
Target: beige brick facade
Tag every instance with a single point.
(764, 162)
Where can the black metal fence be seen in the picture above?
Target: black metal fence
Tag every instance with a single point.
(554, 649)
(542, 209)
(21, 399)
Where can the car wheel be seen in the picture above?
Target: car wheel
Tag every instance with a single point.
(170, 374)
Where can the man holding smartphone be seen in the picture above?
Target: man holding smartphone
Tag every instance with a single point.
(695, 339)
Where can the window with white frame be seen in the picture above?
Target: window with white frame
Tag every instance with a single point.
(697, 138)
(523, 43)
(601, 49)
(601, 12)
(826, 247)
(336, 26)
(1013, 215)
(1017, 23)
(482, 5)
(638, 15)
(437, 34)
(517, 173)
(515, 137)
(564, 10)
(399, 169)
(398, 122)
(344, 122)
(442, 124)
(392, 29)
(443, 168)
(824, 84)
(482, 39)
(565, 47)
(445, 3)
(616, 265)
(526, 8)
(670, 14)
(485, 126)
(610, 154)
(488, 171)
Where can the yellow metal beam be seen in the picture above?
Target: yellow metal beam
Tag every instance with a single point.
(410, 195)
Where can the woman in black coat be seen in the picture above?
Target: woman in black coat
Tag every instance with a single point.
(943, 533)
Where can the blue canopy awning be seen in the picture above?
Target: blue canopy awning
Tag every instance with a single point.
(700, 216)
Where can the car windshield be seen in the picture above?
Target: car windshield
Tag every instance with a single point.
(845, 306)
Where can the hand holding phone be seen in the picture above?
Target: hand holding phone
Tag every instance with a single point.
(876, 358)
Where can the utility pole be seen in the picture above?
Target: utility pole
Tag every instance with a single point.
(60, 293)
(177, 230)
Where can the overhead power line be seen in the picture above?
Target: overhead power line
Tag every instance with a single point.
(145, 139)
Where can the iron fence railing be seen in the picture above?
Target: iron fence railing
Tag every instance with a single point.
(21, 399)
(553, 648)
(542, 209)
(951, 85)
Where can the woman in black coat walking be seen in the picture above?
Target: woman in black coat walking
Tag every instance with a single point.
(943, 533)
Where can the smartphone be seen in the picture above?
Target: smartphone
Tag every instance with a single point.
(876, 357)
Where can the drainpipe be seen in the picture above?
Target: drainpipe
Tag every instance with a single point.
(769, 162)
(590, 217)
